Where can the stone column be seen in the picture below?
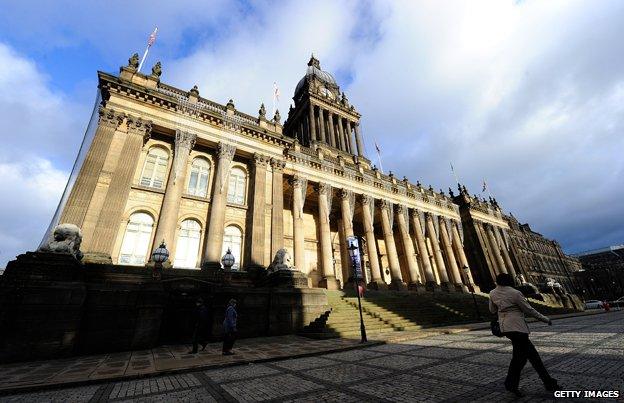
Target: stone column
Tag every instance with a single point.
(312, 118)
(450, 256)
(495, 248)
(437, 253)
(393, 258)
(322, 125)
(408, 247)
(368, 204)
(358, 140)
(500, 234)
(345, 145)
(347, 228)
(218, 204)
(327, 265)
(86, 182)
(299, 185)
(277, 209)
(168, 219)
(331, 134)
(337, 132)
(461, 255)
(350, 134)
(258, 208)
(422, 251)
(107, 226)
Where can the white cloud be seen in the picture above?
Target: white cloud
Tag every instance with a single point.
(39, 126)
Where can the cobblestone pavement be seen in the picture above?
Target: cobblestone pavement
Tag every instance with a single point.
(583, 353)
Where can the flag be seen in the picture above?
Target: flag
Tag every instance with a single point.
(276, 92)
(484, 186)
(452, 170)
(152, 37)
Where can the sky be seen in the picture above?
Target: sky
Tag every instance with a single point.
(526, 95)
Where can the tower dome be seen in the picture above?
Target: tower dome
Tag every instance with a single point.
(314, 70)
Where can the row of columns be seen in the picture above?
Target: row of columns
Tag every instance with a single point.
(420, 258)
(501, 261)
(331, 128)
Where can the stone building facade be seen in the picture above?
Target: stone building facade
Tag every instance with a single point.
(602, 274)
(168, 165)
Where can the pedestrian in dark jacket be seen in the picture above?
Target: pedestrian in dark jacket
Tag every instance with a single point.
(229, 328)
(202, 328)
(511, 306)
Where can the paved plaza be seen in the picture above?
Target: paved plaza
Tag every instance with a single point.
(583, 353)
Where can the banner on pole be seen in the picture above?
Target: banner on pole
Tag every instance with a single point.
(356, 257)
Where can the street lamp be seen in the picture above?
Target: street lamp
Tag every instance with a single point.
(159, 256)
(228, 260)
(466, 270)
(355, 255)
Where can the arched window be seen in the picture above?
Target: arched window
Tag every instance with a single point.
(136, 241)
(233, 239)
(155, 168)
(236, 186)
(198, 181)
(187, 247)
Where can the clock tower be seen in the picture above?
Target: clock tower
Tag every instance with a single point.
(322, 114)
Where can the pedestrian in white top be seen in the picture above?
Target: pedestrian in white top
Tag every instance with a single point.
(511, 307)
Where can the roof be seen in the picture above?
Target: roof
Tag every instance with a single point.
(601, 250)
(314, 70)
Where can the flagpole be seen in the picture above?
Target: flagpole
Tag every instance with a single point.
(454, 174)
(149, 45)
(378, 155)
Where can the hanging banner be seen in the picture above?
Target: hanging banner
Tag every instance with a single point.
(353, 246)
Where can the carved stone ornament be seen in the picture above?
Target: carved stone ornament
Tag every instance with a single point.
(110, 117)
(230, 104)
(133, 61)
(277, 165)
(366, 200)
(157, 70)
(226, 151)
(194, 91)
(261, 161)
(262, 111)
(139, 126)
(277, 117)
(184, 142)
(323, 188)
(281, 261)
(66, 240)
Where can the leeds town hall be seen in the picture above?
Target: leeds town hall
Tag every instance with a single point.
(165, 165)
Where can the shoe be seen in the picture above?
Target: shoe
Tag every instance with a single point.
(515, 391)
(228, 353)
(552, 385)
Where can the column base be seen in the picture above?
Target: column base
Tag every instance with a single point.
(417, 287)
(397, 285)
(473, 288)
(432, 286)
(377, 285)
(462, 288)
(448, 287)
(330, 283)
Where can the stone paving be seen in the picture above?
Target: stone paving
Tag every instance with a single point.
(583, 353)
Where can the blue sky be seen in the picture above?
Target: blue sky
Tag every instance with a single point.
(528, 95)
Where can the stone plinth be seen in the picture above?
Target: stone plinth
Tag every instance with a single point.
(287, 278)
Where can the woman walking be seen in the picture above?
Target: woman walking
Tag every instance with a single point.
(511, 307)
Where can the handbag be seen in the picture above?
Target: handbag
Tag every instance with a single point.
(495, 327)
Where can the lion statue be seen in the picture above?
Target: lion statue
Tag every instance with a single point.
(281, 261)
(66, 239)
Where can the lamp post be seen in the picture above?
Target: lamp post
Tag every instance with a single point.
(228, 260)
(159, 256)
(355, 255)
(466, 270)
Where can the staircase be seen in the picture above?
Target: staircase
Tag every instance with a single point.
(400, 311)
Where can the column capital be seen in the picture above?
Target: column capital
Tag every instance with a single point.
(226, 151)
(185, 140)
(297, 181)
(366, 199)
(345, 193)
(414, 213)
(110, 117)
(139, 126)
(277, 165)
(383, 204)
(323, 188)
(401, 208)
(260, 160)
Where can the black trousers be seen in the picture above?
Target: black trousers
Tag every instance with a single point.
(524, 350)
(201, 335)
(228, 341)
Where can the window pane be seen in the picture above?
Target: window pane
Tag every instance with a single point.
(134, 247)
(192, 183)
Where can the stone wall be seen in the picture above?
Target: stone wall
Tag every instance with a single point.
(51, 306)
